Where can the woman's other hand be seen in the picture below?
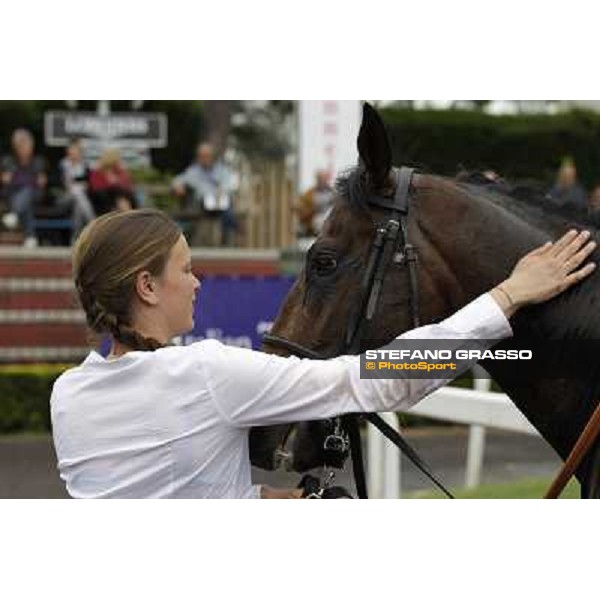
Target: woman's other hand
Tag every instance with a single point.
(271, 493)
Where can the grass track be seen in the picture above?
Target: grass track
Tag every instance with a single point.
(525, 488)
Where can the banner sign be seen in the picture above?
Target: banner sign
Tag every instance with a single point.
(237, 310)
(234, 310)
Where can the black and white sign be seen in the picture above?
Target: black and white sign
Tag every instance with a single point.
(134, 130)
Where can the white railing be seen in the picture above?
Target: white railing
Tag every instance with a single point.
(478, 407)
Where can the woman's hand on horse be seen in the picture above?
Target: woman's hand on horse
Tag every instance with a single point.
(271, 493)
(547, 271)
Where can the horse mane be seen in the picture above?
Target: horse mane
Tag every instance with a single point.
(526, 199)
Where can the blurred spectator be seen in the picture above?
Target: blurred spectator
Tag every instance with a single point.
(314, 205)
(110, 185)
(594, 205)
(74, 174)
(492, 176)
(567, 190)
(24, 181)
(205, 186)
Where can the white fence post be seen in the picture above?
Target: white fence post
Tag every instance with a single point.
(383, 460)
(475, 454)
(476, 447)
(374, 461)
(391, 466)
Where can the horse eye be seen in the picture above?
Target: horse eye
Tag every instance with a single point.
(324, 264)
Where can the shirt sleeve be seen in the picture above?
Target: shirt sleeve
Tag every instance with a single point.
(184, 178)
(252, 388)
(224, 179)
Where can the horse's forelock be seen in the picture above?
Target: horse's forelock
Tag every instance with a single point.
(352, 186)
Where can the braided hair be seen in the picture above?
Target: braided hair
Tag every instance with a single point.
(107, 257)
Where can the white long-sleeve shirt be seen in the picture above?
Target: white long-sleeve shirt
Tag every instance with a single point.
(174, 422)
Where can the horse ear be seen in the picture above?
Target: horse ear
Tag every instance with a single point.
(374, 146)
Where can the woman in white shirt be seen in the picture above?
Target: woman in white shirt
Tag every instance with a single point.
(153, 420)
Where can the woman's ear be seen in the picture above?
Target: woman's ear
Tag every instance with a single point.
(374, 146)
(146, 288)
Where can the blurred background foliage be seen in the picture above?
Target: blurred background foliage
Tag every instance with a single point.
(521, 146)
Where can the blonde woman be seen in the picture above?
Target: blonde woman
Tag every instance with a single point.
(161, 421)
(111, 186)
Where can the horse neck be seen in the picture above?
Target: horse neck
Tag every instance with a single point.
(475, 243)
(480, 242)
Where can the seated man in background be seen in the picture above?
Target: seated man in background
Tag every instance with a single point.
(24, 182)
(206, 187)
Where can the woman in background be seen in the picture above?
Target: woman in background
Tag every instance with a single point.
(111, 186)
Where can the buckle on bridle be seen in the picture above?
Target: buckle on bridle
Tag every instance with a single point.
(324, 484)
(407, 255)
(336, 442)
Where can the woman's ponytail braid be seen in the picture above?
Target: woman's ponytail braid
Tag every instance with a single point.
(102, 321)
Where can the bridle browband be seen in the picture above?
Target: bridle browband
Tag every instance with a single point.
(390, 246)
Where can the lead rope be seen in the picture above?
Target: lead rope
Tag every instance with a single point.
(396, 438)
(351, 424)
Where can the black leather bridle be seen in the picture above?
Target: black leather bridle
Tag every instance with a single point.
(391, 246)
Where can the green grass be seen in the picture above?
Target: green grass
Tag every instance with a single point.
(524, 488)
(25, 436)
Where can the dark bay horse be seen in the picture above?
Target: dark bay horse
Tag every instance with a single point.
(468, 238)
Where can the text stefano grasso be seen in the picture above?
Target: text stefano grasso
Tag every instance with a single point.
(460, 354)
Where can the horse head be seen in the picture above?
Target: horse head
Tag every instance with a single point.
(324, 298)
(327, 296)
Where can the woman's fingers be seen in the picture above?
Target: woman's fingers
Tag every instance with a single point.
(541, 250)
(564, 241)
(572, 247)
(580, 274)
(576, 259)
